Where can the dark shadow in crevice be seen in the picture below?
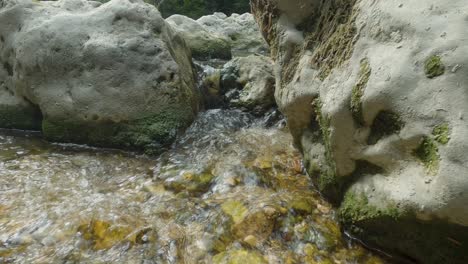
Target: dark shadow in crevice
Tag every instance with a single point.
(8, 68)
(386, 123)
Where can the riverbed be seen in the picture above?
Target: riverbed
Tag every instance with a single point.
(230, 190)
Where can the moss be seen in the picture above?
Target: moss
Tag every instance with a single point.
(428, 153)
(441, 134)
(332, 36)
(386, 123)
(236, 210)
(26, 118)
(149, 134)
(356, 207)
(327, 182)
(416, 241)
(302, 205)
(358, 91)
(103, 235)
(434, 66)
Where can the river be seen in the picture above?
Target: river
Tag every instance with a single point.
(231, 190)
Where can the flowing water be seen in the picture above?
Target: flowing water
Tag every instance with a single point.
(229, 191)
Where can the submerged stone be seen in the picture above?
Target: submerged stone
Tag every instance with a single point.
(104, 235)
(239, 257)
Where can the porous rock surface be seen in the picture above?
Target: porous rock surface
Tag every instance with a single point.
(249, 82)
(204, 44)
(113, 75)
(376, 97)
(240, 29)
(218, 36)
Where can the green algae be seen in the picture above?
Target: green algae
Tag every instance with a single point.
(415, 239)
(235, 209)
(302, 205)
(356, 207)
(327, 180)
(150, 133)
(428, 154)
(434, 66)
(441, 134)
(358, 91)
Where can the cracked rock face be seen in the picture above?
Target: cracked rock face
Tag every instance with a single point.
(108, 75)
(376, 96)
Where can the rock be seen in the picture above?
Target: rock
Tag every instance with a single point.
(373, 107)
(251, 240)
(239, 256)
(249, 82)
(113, 75)
(256, 222)
(103, 235)
(204, 44)
(190, 182)
(241, 31)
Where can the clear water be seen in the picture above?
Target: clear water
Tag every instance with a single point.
(229, 191)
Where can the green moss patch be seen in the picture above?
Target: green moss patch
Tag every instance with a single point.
(428, 153)
(327, 179)
(355, 207)
(386, 123)
(149, 134)
(441, 134)
(358, 91)
(332, 36)
(415, 241)
(434, 67)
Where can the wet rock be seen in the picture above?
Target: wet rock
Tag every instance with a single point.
(103, 235)
(121, 78)
(254, 224)
(302, 205)
(236, 210)
(251, 240)
(190, 182)
(239, 257)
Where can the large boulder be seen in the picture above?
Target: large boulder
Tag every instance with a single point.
(249, 82)
(241, 30)
(218, 36)
(204, 44)
(375, 93)
(113, 75)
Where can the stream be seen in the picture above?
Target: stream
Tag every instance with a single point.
(230, 190)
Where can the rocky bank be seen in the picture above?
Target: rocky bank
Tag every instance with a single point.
(375, 93)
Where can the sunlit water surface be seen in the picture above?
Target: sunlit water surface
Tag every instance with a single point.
(229, 191)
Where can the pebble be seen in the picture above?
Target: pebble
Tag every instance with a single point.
(251, 240)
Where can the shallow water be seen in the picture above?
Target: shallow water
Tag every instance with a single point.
(228, 191)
